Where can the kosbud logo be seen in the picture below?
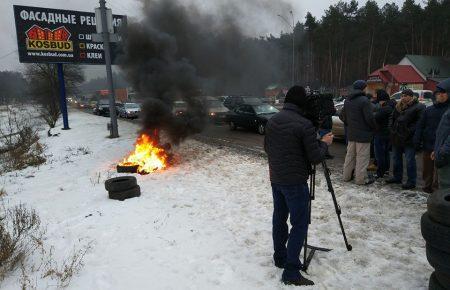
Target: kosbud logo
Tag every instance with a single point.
(57, 39)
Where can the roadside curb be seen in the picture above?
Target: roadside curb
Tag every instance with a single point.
(238, 148)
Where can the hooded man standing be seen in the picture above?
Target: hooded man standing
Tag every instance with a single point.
(441, 153)
(403, 127)
(357, 116)
(291, 145)
(425, 137)
(381, 140)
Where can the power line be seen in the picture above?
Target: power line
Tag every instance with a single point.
(8, 54)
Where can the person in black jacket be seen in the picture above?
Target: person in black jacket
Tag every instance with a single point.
(291, 145)
(425, 138)
(403, 127)
(381, 140)
(441, 154)
(357, 115)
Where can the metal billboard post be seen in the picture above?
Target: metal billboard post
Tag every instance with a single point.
(62, 96)
(106, 45)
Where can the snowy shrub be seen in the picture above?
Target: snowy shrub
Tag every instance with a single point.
(20, 229)
(22, 245)
(19, 143)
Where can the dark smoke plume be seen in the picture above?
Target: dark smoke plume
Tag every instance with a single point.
(178, 52)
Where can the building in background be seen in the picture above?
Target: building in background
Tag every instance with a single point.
(394, 78)
(432, 69)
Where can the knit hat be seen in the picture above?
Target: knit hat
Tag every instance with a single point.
(296, 95)
(359, 85)
(408, 92)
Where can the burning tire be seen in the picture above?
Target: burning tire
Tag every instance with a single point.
(118, 184)
(435, 234)
(125, 194)
(127, 168)
(438, 205)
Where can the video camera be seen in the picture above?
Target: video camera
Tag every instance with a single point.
(319, 106)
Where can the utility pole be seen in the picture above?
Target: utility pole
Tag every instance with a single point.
(293, 43)
(114, 132)
(293, 49)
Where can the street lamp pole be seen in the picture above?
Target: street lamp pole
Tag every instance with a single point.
(293, 43)
(293, 49)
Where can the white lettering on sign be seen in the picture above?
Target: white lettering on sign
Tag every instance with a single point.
(50, 18)
(87, 20)
(24, 15)
(117, 22)
(94, 55)
(98, 46)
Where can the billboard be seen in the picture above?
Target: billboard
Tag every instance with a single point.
(59, 36)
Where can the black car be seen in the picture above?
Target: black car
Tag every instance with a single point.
(217, 112)
(232, 102)
(102, 108)
(251, 116)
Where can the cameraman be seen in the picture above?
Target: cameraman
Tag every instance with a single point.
(291, 145)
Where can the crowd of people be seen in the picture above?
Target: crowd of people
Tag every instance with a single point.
(403, 128)
(293, 145)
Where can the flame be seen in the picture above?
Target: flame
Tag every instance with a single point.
(147, 155)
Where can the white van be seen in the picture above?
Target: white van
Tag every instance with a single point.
(424, 96)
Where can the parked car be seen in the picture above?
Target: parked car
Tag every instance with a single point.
(179, 108)
(129, 110)
(102, 108)
(232, 102)
(217, 112)
(424, 96)
(82, 105)
(251, 116)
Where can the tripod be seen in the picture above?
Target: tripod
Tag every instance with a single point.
(312, 192)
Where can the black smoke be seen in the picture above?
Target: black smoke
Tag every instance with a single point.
(178, 52)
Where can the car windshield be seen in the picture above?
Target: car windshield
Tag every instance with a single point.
(179, 105)
(132, 106)
(214, 104)
(265, 109)
(252, 100)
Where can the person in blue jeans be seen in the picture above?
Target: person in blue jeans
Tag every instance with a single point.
(292, 146)
(381, 140)
(403, 127)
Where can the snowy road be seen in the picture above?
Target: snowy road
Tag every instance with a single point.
(205, 223)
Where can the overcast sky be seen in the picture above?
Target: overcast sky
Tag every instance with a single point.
(257, 22)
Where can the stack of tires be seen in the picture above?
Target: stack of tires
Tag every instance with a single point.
(435, 226)
(121, 188)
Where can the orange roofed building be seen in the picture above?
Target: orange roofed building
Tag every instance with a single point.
(393, 77)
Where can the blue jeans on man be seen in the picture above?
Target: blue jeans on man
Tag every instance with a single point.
(381, 147)
(290, 200)
(411, 167)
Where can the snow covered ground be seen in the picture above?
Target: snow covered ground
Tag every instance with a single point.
(205, 223)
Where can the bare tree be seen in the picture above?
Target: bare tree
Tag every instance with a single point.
(44, 87)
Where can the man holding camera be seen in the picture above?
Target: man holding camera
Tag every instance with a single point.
(292, 146)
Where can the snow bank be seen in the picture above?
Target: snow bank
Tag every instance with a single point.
(205, 223)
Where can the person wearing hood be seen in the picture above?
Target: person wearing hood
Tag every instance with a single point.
(381, 140)
(357, 116)
(441, 154)
(292, 146)
(403, 126)
(425, 137)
